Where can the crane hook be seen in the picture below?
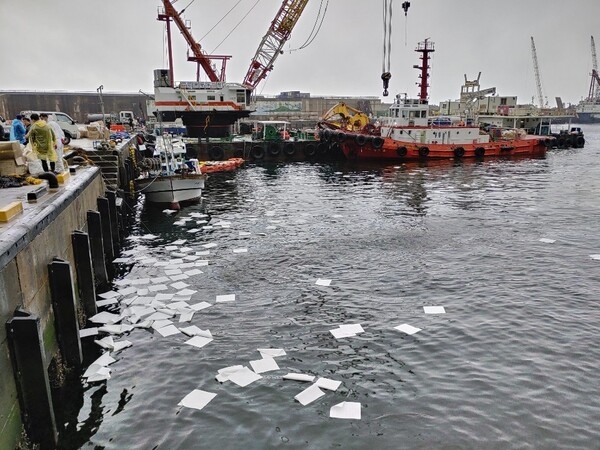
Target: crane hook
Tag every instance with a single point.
(405, 6)
(385, 76)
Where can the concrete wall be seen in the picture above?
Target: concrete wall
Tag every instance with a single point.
(24, 277)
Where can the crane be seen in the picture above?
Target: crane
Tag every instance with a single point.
(272, 43)
(199, 56)
(537, 74)
(595, 81)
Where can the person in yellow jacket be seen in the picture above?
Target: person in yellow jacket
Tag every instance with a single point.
(43, 142)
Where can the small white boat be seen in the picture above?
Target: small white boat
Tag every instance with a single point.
(168, 178)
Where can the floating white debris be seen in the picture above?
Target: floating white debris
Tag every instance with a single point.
(93, 331)
(309, 395)
(193, 330)
(108, 301)
(170, 248)
(122, 260)
(270, 227)
(115, 329)
(107, 343)
(200, 306)
(344, 331)
(203, 253)
(596, 257)
(329, 384)
(159, 280)
(191, 258)
(240, 250)
(207, 227)
(199, 341)
(434, 309)
(104, 360)
(244, 377)
(186, 292)
(159, 316)
(264, 365)
(158, 324)
(102, 374)
(158, 287)
(225, 298)
(193, 230)
(179, 306)
(323, 282)
(193, 272)
(120, 345)
(224, 373)
(179, 285)
(169, 330)
(164, 296)
(140, 281)
(197, 399)
(299, 377)
(271, 352)
(244, 233)
(173, 272)
(179, 242)
(201, 263)
(345, 410)
(408, 329)
(105, 317)
(186, 316)
(109, 294)
(142, 292)
(547, 240)
(127, 291)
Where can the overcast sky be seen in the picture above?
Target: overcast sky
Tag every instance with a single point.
(78, 45)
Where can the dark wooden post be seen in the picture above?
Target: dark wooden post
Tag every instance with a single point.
(94, 223)
(104, 210)
(85, 272)
(65, 311)
(29, 366)
(114, 220)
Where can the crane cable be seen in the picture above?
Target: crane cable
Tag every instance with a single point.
(237, 25)
(311, 37)
(387, 45)
(220, 20)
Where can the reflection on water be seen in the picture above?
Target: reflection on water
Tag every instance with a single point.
(513, 362)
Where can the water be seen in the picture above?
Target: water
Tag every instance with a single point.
(512, 364)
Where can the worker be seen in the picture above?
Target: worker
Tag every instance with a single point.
(43, 142)
(17, 130)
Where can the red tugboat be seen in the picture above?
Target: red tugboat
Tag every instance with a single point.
(408, 133)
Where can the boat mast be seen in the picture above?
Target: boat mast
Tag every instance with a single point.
(425, 48)
(536, 69)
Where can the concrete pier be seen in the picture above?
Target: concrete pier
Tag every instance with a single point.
(30, 241)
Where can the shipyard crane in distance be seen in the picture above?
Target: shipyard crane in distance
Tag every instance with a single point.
(595, 80)
(273, 41)
(536, 69)
(199, 56)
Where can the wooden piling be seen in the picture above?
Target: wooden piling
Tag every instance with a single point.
(64, 304)
(94, 223)
(33, 386)
(85, 272)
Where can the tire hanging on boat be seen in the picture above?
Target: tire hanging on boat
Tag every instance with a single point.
(322, 148)
(360, 139)
(459, 152)
(274, 149)
(423, 152)
(377, 142)
(257, 152)
(579, 142)
(216, 153)
(310, 150)
(289, 149)
(480, 152)
(401, 151)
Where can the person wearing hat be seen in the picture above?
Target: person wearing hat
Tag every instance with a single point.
(17, 130)
(43, 142)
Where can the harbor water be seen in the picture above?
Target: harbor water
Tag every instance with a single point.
(512, 363)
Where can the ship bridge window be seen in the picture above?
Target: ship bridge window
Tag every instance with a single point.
(210, 97)
(241, 96)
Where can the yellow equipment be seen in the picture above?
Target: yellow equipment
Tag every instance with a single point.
(344, 117)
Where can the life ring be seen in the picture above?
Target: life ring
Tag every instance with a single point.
(423, 152)
(459, 152)
(580, 141)
(479, 152)
(216, 153)
(310, 150)
(377, 142)
(258, 152)
(360, 139)
(401, 151)
(289, 149)
(274, 149)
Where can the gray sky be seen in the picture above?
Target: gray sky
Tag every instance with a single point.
(78, 45)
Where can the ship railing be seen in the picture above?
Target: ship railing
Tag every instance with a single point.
(185, 96)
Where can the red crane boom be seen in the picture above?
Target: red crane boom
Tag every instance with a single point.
(202, 59)
(272, 43)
